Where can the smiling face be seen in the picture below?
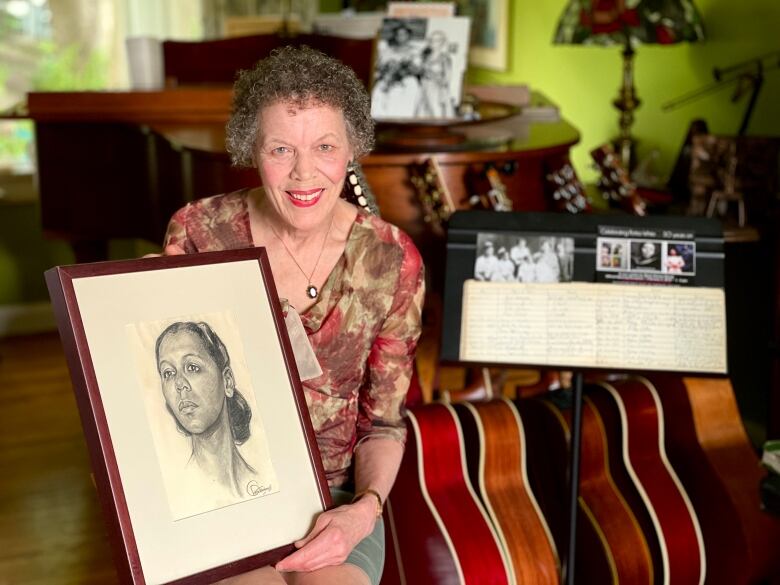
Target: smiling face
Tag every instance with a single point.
(648, 250)
(193, 386)
(302, 155)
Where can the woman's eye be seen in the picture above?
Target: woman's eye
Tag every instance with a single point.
(326, 148)
(167, 374)
(281, 150)
(192, 368)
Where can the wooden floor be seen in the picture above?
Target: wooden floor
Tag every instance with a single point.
(51, 530)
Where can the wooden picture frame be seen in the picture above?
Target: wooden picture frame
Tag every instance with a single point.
(128, 331)
(489, 32)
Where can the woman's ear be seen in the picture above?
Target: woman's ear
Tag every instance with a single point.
(230, 382)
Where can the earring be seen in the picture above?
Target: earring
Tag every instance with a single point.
(354, 188)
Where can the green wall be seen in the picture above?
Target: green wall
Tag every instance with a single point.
(583, 81)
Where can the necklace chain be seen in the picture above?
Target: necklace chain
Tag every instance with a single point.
(311, 291)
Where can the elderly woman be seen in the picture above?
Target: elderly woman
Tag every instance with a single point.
(301, 118)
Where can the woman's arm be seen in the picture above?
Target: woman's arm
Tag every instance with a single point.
(336, 532)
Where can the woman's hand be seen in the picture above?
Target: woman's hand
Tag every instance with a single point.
(170, 250)
(336, 532)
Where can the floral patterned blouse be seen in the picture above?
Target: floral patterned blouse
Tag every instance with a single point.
(363, 329)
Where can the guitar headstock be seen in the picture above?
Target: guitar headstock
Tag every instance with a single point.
(432, 193)
(497, 193)
(566, 190)
(491, 195)
(615, 183)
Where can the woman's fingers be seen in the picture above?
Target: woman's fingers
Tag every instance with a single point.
(335, 534)
(320, 524)
(173, 250)
(170, 250)
(315, 555)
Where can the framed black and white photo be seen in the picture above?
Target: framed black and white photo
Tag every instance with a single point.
(419, 68)
(173, 361)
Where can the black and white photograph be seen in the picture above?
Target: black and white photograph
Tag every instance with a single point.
(205, 423)
(522, 257)
(419, 68)
(646, 255)
(680, 258)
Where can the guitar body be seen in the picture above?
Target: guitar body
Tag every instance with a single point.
(709, 448)
(611, 547)
(496, 458)
(439, 530)
(633, 419)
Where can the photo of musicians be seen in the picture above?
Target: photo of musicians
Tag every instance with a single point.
(519, 257)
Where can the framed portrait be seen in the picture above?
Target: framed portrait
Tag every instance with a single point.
(489, 32)
(200, 440)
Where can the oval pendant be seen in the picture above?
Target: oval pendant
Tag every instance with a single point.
(311, 291)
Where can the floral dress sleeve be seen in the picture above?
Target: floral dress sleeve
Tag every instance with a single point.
(391, 358)
(210, 224)
(176, 234)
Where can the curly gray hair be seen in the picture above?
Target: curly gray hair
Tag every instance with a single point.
(301, 76)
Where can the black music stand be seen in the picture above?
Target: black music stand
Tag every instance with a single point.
(468, 230)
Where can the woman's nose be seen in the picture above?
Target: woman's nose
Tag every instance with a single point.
(181, 383)
(304, 168)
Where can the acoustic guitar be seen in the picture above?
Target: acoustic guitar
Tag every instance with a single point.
(709, 449)
(611, 547)
(440, 532)
(633, 420)
(496, 457)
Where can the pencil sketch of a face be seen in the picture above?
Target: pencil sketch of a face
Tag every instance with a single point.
(204, 415)
(200, 394)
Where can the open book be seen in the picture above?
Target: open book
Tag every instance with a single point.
(580, 324)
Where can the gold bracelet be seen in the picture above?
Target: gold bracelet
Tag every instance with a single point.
(374, 493)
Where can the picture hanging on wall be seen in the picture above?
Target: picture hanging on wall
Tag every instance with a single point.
(489, 32)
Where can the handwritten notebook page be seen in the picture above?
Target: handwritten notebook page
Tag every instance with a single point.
(594, 325)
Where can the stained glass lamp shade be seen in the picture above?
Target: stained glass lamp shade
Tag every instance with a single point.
(628, 23)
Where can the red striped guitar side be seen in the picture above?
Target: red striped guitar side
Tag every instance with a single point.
(712, 454)
(496, 456)
(611, 547)
(674, 524)
(439, 530)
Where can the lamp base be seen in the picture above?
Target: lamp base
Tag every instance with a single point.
(626, 102)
